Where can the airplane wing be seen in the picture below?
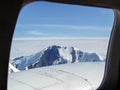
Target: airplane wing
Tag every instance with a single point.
(75, 76)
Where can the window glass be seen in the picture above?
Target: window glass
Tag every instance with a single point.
(76, 37)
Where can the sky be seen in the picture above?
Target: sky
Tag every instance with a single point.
(53, 20)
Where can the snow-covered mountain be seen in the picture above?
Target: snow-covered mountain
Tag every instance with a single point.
(11, 68)
(54, 55)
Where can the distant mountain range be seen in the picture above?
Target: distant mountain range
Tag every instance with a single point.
(54, 55)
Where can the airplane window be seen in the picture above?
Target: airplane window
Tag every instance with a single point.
(59, 46)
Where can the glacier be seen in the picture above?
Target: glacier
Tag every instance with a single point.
(54, 55)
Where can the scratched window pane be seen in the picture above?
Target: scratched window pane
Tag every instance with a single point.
(59, 43)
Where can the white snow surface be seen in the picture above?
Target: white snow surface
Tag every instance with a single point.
(25, 47)
(65, 53)
(12, 68)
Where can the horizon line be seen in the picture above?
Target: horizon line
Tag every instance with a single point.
(32, 38)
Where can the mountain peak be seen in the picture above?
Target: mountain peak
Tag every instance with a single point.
(54, 55)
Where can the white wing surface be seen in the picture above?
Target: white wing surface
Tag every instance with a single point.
(76, 76)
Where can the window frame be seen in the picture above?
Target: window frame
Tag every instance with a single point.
(10, 10)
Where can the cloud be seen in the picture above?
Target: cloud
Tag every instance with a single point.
(35, 32)
(73, 27)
